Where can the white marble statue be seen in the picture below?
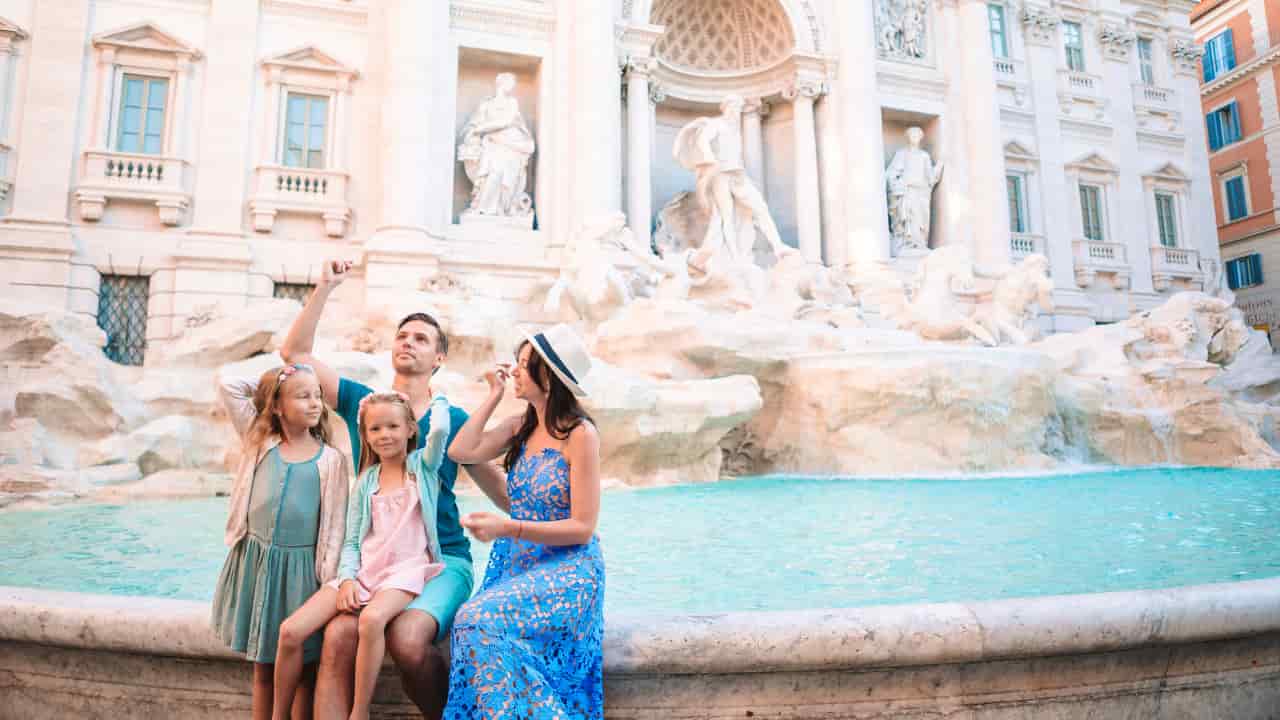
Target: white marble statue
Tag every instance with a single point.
(911, 177)
(1191, 328)
(938, 305)
(605, 269)
(711, 147)
(494, 148)
(1021, 293)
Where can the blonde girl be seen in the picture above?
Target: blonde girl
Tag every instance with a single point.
(391, 548)
(286, 522)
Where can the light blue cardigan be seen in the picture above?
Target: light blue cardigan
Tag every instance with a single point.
(425, 465)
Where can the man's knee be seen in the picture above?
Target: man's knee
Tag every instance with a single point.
(341, 636)
(411, 640)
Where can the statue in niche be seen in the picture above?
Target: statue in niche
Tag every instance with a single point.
(494, 148)
(911, 177)
(711, 147)
(900, 29)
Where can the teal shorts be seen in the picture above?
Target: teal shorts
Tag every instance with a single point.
(445, 593)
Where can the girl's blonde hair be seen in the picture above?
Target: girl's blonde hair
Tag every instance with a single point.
(367, 456)
(266, 402)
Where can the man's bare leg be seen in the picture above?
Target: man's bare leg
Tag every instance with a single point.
(335, 680)
(751, 197)
(424, 674)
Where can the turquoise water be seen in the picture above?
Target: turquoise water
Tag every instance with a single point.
(777, 543)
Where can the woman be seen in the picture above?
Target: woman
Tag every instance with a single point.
(529, 643)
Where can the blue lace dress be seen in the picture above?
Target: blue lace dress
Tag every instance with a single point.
(528, 645)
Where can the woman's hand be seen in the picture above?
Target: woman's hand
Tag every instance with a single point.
(486, 527)
(497, 379)
(348, 599)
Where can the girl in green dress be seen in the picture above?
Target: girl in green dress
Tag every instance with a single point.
(287, 518)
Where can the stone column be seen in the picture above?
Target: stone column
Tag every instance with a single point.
(212, 261)
(639, 148)
(596, 113)
(865, 206)
(753, 111)
(416, 113)
(37, 245)
(808, 206)
(224, 134)
(987, 189)
(410, 120)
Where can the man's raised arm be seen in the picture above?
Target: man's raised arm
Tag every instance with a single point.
(301, 340)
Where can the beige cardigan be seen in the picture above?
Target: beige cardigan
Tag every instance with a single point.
(236, 395)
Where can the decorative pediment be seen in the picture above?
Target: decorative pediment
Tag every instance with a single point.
(11, 29)
(145, 37)
(1094, 162)
(310, 58)
(1168, 173)
(1014, 150)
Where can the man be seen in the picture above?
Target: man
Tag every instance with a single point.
(419, 349)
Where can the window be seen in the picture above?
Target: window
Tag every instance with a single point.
(999, 31)
(1073, 39)
(1244, 272)
(304, 138)
(1146, 61)
(1167, 219)
(1017, 203)
(1223, 125)
(122, 315)
(1236, 198)
(293, 291)
(1219, 55)
(141, 118)
(1091, 212)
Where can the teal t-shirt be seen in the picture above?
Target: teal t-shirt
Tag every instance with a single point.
(452, 540)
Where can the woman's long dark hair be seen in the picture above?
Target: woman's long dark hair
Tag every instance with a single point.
(564, 412)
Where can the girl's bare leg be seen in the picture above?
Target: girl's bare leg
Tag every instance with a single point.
(304, 700)
(374, 618)
(262, 691)
(319, 609)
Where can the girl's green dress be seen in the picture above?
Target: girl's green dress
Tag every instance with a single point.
(271, 571)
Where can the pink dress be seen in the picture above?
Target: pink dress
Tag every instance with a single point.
(394, 554)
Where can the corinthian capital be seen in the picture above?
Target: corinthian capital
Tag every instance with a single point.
(1040, 23)
(804, 88)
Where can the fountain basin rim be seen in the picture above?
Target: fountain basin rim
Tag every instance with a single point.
(744, 642)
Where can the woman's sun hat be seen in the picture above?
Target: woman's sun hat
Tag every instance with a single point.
(564, 352)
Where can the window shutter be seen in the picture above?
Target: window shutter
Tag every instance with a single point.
(1207, 62)
(1234, 132)
(1255, 262)
(1228, 51)
(1233, 274)
(1215, 131)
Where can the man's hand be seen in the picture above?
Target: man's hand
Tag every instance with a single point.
(333, 272)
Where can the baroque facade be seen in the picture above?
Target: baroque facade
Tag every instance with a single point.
(1242, 122)
(178, 154)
